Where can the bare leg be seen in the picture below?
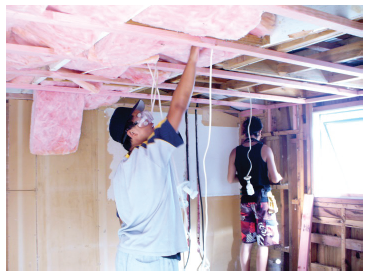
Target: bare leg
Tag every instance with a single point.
(245, 256)
(262, 258)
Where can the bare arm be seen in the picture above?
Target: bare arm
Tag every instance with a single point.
(268, 156)
(232, 177)
(182, 95)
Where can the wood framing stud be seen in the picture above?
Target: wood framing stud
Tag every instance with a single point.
(316, 17)
(305, 241)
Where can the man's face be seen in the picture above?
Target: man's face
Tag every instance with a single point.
(140, 134)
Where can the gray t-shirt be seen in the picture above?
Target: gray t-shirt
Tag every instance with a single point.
(146, 197)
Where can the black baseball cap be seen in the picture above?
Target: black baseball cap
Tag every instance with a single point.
(119, 118)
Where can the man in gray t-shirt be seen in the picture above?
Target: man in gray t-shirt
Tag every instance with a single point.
(152, 234)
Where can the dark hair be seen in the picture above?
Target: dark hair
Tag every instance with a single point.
(255, 126)
(127, 142)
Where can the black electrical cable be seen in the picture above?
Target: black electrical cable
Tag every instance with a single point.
(197, 172)
(188, 179)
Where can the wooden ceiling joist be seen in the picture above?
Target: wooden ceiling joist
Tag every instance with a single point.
(336, 55)
(71, 21)
(129, 95)
(288, 46)
(200, 71)
(316, 17)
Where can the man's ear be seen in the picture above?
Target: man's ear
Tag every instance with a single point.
(131, 134)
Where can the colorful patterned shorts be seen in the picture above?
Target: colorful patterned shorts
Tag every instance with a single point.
(257, 225)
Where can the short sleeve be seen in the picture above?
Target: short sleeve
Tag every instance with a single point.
(165, 131)
(160, 145)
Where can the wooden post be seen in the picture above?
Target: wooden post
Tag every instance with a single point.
(308, 146)
(293, 208)
(305, 239)
(343, 240)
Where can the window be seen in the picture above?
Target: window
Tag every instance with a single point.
(338, 160)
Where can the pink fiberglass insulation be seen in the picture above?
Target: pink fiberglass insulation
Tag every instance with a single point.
(22, 61)
(266, 26)
(110, 15)
(95, 68)
(63, 40)
(56, 122)
(125, 49)
(220, 21)
(33, 9)
(96, 101)
(91, 101)
(143, 76)
(181, 52)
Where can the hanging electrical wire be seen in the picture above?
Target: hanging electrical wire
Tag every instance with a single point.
(205, 264)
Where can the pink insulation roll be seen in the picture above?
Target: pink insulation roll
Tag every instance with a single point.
(181, 52)
(33, 9)
(143, 76)
(219, 21)
(95, 68)
(96, 101)
(56, 122)
(125, 49)
(109, 15)
(69, 41)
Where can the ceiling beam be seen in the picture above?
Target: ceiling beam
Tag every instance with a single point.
(168, 86)
(316, 17)
(128, 95)
(260, 79)
(288, 46)
(66, 20)
(337, 55)
(200, 71)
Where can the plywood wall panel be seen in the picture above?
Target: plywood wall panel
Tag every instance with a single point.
(68, 206)
(21, 231)
(108, 222)
(224, 233)
(21, 174)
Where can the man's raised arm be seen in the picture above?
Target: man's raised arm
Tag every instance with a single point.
(182, 95)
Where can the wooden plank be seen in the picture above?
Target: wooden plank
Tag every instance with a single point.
(339, 106)
(343, 238)
(21, 231)
(19, 96)
(352, 244)
(325, 220)
(339, 222)
(326, 212)
(337, 55)
(305, 238)
(338, 205)
(316, 17)
(320, 267)
(308, 147)
(324, 99)
(292, 193)
(288, 46)
(139, 95)
(355, 224)
(339, 200)
(67, 206)
(200, 71)
(21, 174)
(66, 20)
(323, 239)
(326, 239)
(108, 223)
(356, 215)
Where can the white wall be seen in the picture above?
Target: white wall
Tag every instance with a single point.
(223, 140)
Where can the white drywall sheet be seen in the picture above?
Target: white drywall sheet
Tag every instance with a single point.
(223, 140)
